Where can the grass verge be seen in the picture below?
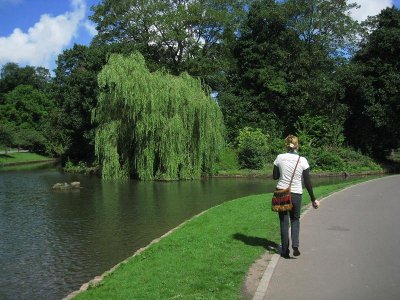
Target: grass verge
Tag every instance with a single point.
(207, 258)
(20, 157)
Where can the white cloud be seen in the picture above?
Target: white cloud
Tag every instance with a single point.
(90, 27)
(369, 8)
(40, 45)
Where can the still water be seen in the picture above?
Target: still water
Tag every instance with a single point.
(51, 242)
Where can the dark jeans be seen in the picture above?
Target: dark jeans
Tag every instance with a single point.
(294, 216)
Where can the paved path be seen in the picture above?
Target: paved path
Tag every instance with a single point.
(350, 248)
(12, 151)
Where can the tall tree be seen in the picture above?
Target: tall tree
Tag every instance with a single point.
(6, 136)
(373, 87)
(178, 35)
(27, 110)
(257, 84)
(75, 88)
(154, 125)
(287, 64)
(326, 24)
(12, 75)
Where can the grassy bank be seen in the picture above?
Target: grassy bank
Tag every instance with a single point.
(16, 158)
(207, 258)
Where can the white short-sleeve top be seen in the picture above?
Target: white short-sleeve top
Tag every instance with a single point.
(286, 163)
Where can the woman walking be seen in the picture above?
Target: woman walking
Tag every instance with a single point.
(284, 166)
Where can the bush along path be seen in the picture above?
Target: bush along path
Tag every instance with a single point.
(205, 258)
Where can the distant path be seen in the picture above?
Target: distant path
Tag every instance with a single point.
(350, 247)
(12, 151)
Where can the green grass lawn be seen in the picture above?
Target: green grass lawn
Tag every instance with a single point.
(20, 157)
(207, 258)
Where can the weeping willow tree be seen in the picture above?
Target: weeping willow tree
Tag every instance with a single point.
(154, 125)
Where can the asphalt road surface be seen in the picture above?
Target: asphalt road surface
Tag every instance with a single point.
(350, 247)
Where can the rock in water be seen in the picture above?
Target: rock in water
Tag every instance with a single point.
(67, 186)
(57, 186)
(75, 185)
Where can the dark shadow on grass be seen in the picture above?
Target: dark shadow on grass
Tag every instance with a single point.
(257, 242)
(6, 155)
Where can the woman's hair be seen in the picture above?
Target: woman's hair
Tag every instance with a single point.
(291, 142)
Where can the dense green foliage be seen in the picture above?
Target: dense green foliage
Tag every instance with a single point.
(287, 64)
(25, 108)
(252, 148)
(227, 160)
(75, 87)
(6, 136)
(154, 125)
(302, 67)
(179, 36)
(13, 75)
(373, 87)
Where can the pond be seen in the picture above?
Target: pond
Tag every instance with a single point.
(51, 242)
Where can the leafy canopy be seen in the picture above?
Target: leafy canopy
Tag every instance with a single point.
(178, 35)
(373, 87)
(287, 64)
(154, 125)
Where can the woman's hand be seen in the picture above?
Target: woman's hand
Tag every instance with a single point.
(315, 204)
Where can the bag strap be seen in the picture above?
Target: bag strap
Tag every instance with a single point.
(294, 172)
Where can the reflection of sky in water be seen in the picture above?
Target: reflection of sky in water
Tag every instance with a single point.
(53, 241)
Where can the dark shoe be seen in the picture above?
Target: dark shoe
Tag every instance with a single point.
(286, 254)
(296, 251)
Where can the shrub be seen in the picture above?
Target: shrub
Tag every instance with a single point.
(319, 131)
(328, 161)
(81, 168)
(339, 160)
(252, 148)
(357, 162)
(228, 160)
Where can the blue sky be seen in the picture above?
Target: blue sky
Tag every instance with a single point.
(34, 32)
(24, 14)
